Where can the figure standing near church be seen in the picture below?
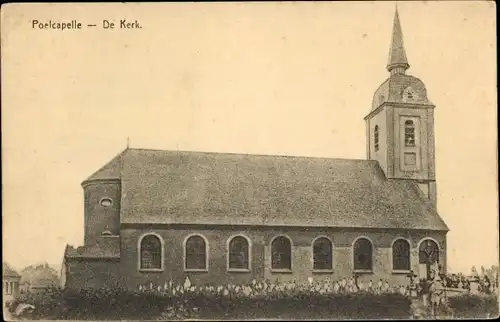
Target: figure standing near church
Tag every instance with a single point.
(436, 294)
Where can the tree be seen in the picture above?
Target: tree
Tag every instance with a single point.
(473, 271)
(492, 273)
(39, 276)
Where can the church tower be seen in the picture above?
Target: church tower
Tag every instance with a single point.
(400, 125)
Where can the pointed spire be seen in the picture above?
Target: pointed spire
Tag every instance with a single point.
(398, 63)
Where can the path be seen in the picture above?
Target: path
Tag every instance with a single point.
(419, 311)
(7, 316)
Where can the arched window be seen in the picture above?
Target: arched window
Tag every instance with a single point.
(428, 255)
(281, 257)
(409, 133)
(375, 138)
(363, 254)
(239, 253)
(322, 254)
(151, 252)
(195, 249)
(401, 255)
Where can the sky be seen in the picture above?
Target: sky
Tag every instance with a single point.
(265, 78)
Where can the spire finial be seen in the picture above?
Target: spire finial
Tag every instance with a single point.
(398, 62)
(128, 142)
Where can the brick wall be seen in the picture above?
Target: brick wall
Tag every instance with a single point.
(173, 260)
(260, 262)
(92, 273)
(380, 120)
(98, 218)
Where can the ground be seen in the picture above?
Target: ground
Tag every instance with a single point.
(7, 316)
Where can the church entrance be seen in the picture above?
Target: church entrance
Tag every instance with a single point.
(428, 254)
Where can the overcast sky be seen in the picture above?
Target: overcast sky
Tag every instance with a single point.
(264, 78)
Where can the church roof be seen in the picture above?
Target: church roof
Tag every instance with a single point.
(179, 187)
(110, 171)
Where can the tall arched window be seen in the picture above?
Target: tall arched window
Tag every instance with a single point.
(375, 138)
(239, 253)
(281, 257)
(428, 255)
(322, 254)
(363, 254)
(195, 251)
(151, 252)
(409, 133)
(401, 255)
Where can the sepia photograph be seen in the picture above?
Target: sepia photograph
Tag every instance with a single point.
(249, 160)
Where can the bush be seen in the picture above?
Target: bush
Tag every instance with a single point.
(474, 306)
(47, 304)
(106, 305)
(219, 304)
(10, 305)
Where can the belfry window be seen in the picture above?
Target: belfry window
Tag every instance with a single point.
(363, 254)
(375, 138)
(281, 253)
(409, 133)
(151, 252)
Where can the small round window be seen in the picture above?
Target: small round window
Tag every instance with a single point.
(106, 202)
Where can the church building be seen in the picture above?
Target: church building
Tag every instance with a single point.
(153, 216)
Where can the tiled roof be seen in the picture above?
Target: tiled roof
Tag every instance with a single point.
(235, 189)
(110, 171)
(9, 271)
(105, 247)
